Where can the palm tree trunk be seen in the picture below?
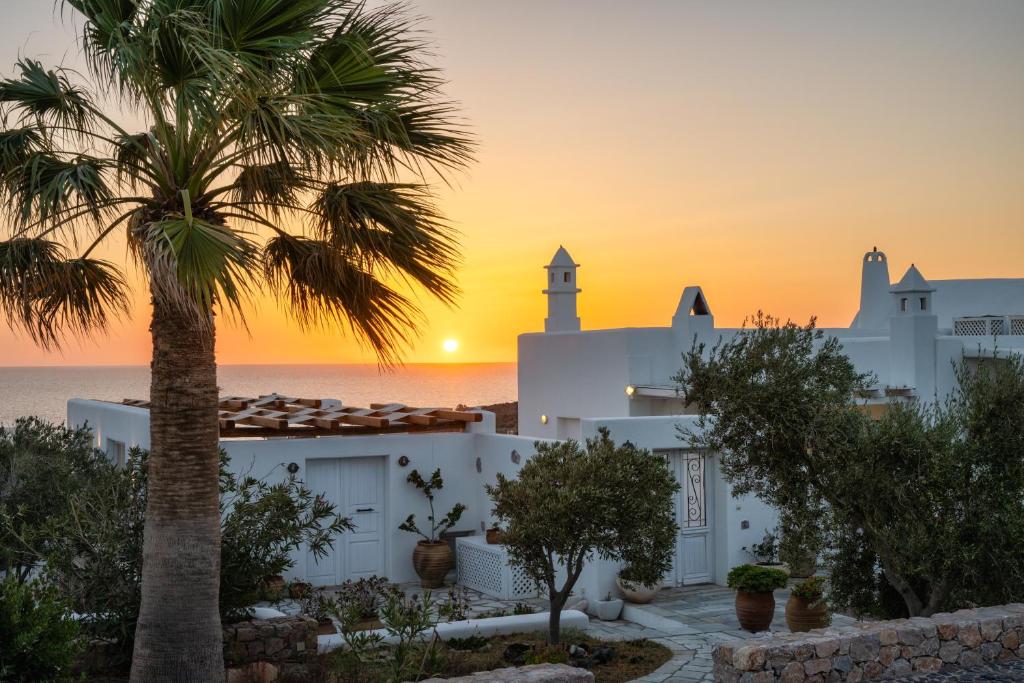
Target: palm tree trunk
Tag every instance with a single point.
(179, 637)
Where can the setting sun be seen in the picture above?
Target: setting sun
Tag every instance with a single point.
(450, 345)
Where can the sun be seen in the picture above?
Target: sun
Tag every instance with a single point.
(450, 345)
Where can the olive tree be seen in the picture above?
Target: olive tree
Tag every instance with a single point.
(924, 504)
(572, 501)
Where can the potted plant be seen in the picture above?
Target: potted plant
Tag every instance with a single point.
(493, 536)
(432, 558)
(806, 608)
(637, 586)
(755, 601)
(272, 588)
(359, 602)
(608, 609)
(299, 589)
(766, 553)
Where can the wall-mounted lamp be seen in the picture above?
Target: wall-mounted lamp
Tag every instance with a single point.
(403, 461)
(543, 419)
(515, 456)
(630, 390)
(293, 467)
(479, 465)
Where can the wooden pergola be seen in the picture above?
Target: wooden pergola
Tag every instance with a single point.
(277, 415)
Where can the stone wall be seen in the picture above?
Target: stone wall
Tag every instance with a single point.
(874, 650)
(282, 640)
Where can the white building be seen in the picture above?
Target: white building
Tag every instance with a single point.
(909, 335)
(571, 383)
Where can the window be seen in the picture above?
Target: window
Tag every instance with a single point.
(552, 276)
(903, 304)
(566, 276)
(924, 303)
(115, 451)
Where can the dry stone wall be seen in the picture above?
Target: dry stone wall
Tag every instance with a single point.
(271, 646)
(875, 650)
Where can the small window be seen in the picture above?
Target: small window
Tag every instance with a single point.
(552, 276)
(566, 276)
(903, 304)
(924, 303)
(115, 451)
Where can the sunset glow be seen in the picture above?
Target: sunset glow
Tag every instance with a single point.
(756, 149)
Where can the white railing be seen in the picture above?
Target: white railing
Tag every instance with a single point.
(988, 326)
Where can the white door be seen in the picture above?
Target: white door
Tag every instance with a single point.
(356, 487)
(694, 552)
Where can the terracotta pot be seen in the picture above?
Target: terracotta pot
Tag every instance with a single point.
(755, 610)
(432, 561)
(326, 628)
(634, 592)
(493, 536)
(273, 587)
(299, 590)
(803, 614)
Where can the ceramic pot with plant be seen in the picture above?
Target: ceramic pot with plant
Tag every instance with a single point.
(299, 589)
(272, 588)
(755, 600)
(493, 536)
(359, 602)
(608, 609)
(432, 559)
(806, 608)
(766, 552)
(635, 586)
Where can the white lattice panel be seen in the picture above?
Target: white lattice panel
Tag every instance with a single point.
(970, 327)
(1016, 325)
(486, 568)
(998, 326)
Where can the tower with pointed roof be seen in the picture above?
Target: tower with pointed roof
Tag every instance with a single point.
(875, 299)
(561, 292)
(912, 330)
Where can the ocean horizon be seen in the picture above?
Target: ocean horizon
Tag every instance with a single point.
(44, 390)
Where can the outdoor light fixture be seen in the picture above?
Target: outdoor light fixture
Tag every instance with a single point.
(293, 467)
(403, 461)
(543, 419)
(630, 390)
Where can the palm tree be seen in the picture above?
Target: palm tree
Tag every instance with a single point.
(286, 148)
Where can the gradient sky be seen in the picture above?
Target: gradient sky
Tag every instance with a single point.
(756, 149)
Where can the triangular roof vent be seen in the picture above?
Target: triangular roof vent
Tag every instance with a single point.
(912, 281)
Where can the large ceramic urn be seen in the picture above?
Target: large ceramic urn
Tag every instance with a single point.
(432, 560)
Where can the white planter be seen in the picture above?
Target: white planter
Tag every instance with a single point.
(607, 610)
(636, 592)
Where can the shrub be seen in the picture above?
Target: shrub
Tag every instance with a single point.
(94, 552)
(40, 464)
(766, 551)
(750, 578)
(38, 637)
(364, 598)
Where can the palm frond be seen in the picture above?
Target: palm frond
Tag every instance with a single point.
(51, 296)
(17, 145)
(195, 264)
(44, 186)
(269, 185)
(324, 287)
(46, 95)
(392, 227)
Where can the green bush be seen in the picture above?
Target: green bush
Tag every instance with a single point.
(93, 551)
(751, 578)
(38, 638)
(810, 589)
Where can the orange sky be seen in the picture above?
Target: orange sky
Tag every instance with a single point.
(757, 149)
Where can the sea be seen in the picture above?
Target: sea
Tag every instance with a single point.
(44, 391)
